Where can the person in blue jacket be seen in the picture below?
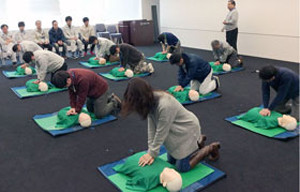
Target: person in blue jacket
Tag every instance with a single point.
(286, 83)
(193, 69)
(169, 43)
(57, 39)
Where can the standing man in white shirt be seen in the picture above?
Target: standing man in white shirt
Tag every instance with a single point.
(21, 35)
(230, 24)
(41, 36)
(72, 39)
(86, 31)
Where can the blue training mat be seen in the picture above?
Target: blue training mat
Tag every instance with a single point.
(74, 128)
(281, 136)
(17, 91)
(8, 74)
(86, 64)
(153, 59)
(107, 170)
(237, 69)
(110, 77)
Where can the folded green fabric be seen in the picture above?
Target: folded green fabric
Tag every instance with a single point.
(32, 87)
(116, 73)
(21, 71)
(92, 61)
(259, 121)
(65, 121)
(181, 96)
(216, 68)
(141, 178)
(160, 56)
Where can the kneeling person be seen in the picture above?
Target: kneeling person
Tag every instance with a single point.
(193, 69)
(85, 85)
(103, 46)
(224, 53)
(25, 46)
(129, 55)
(45, 62)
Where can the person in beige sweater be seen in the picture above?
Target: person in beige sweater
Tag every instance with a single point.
(41, 36)
(169, 124)
(87, 31)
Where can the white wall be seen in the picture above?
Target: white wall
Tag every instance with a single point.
(146, 9)
(267, 28)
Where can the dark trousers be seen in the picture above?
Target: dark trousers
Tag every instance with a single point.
(86, 43)
(64, 46)
(234, 60)
(293, 109)
(100, 106)
(231, 38)
(48, 46)
(64, 67)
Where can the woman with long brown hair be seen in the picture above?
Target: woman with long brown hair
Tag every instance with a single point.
(169, 124)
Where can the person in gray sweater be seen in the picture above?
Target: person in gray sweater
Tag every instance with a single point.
(169, 124)
(25, 46)
(45, 62)
(224, 53)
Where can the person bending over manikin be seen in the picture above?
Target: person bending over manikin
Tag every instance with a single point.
(195, 71)
(224, 53)
(44, 62)
(129, 55)
(86, 86)
(169, 124)
(286, 84)
(103, 46)
(169, 43)
(25, 46)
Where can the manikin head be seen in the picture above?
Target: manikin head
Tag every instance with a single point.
(86, 21)
(4, 28)
(268, 73)
(55, 24)
(288, 122)
(171, 180)
(62, 79)
(84, 120)
(176, 58)
(38, 24)
(28, 57)
(231, 4)
(69, 20)
(21, 26)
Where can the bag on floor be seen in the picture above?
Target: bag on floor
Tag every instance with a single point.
(141, 178)
(259, 121)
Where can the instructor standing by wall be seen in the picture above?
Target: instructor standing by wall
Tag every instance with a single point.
(230, 24)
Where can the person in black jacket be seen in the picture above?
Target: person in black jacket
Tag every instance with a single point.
(57, 39)
(193, 69)
(129, 55)
(286, 83)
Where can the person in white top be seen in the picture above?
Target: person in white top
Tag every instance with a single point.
(41, 36)
(230, 24)
(8, 44)
(21, 35)
(86, 31)
(102, 48)
(24, 46)
(72, 39)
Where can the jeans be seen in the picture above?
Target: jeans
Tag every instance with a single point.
(182, 165)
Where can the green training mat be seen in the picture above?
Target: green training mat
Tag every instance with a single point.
(159, 57)
(91, 63)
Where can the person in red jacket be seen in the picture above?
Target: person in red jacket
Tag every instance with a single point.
(85, 85)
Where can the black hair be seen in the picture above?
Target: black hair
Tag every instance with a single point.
(15, 48)
(267, 72)
(21, 24)
(85, 19)
(53, 21)
(214, 43)
(4, 25)
(112, 49)
(161, 38)
(232, 2)
(27, 56)
(60, 78)
(92, 39)
(175, 58)
(68, 18)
